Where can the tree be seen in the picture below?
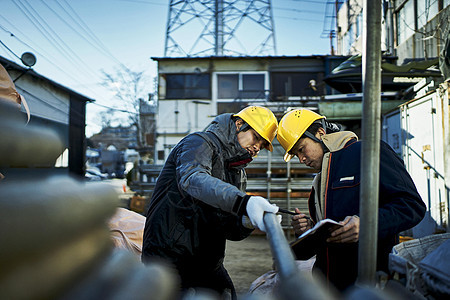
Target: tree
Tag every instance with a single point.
(106, 117)
(129, 87)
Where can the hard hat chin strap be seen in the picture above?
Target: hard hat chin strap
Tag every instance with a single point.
(314, 138)
(244, 127)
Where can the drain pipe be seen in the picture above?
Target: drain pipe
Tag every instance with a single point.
(370, 156)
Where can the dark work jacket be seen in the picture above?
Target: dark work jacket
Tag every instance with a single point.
(197, 204)
(400, 208)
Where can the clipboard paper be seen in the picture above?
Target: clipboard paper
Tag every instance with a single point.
(305, 246)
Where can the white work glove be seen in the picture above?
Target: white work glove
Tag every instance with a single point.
(248, 224)
(256, 207)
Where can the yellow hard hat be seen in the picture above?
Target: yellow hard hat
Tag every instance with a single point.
(262, 120)
(292, 126)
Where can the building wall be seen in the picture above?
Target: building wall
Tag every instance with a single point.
(409, 28)
(350, 27)
(44, 100)
(228, 85)
(120, 137)
(425, 42)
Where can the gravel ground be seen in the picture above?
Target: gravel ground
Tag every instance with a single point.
(246, 260)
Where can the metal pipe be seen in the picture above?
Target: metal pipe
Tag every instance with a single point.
(284, 258)
(292, 284)
(368, 235)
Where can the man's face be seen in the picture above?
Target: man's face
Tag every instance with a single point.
(309, 152)
(251, 141)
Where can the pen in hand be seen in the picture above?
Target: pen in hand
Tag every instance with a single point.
(285, 211)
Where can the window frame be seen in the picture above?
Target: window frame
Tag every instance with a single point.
(240, 74)
(187, 96)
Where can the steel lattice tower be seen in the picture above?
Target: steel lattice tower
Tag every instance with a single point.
(219, 27)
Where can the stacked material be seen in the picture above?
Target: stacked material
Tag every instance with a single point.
(55, 242)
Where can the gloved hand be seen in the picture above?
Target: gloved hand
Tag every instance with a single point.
(279, 218)
(248, 224)
(256, 206)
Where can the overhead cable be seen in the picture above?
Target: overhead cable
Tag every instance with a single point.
(88, 31)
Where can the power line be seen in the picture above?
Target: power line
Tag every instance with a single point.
(36, 51)
(87, 30)
(13, 35)
(9, 55)
(57, 37)
(309, 1)
(54, 42)
(143, 2)
(70, 26)
(9, 49)
(300, 19)
(298, 10)
(47, 35)
(116, 109)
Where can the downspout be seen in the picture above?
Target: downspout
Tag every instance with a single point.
(390, 26)
(371, 72)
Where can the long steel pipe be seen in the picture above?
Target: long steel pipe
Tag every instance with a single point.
(371, 114)
(292, 285)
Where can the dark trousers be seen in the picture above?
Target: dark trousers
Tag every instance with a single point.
(217, 280)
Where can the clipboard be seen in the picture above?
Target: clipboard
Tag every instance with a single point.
(305, 246)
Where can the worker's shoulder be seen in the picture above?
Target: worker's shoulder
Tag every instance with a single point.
(202, 138)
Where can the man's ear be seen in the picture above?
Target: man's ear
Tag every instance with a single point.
(321, 131)
(239, 124)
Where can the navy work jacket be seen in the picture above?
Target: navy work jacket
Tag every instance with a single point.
(400, 208)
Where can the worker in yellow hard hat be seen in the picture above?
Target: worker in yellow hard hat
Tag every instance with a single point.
(199, 200)
(336, 155)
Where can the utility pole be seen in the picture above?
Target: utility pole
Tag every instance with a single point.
(370, 153)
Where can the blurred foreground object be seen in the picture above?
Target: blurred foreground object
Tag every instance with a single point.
(423, 265)
(55, 242)
(127, 230)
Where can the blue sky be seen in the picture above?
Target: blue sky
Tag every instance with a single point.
(74, 40)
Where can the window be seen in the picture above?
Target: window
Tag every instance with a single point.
(405, 22)
(228, 86)
(345, 43)
(426, 10)
(240, 86)
(292, 84)
(252, 86)
(359, 25)
(351, 38)
(188, 86)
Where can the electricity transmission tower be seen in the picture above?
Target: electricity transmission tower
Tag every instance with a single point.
(220, 28)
